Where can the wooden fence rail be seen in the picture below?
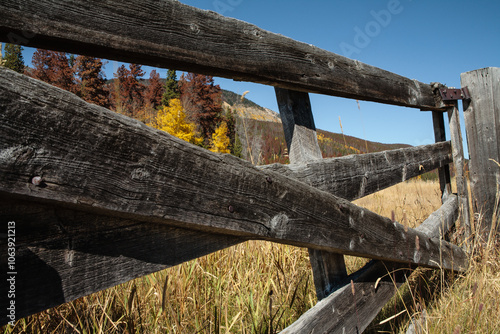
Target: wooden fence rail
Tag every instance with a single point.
(99, 198)
(355, 176)
(97, 161)
(124, 168)
(169, 34)
(374, 285)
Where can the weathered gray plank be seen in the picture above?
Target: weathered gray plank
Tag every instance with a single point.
(63, 254)
(329, 271)
(346, 312)
(458, 160)
(300, 135)
(95, 160)
(169, 34)
(440, 136)
(482, 123)
(374, 285)
(441, 221)
(355, 176)
(298, 125)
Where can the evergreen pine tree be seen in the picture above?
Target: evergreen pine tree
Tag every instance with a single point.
(171, 88)
(13, 57)
(237, 149)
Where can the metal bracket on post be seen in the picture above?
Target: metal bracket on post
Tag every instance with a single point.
(454, 94)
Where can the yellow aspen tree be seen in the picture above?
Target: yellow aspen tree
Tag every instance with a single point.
(220, 140)
(172, 119)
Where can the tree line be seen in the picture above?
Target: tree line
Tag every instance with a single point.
(189, 108)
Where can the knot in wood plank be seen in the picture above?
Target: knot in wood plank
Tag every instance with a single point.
(278, 225)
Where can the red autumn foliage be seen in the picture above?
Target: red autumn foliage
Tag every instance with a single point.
(202, 101)
(154, 90)
(54, 68)
(127, 95)
(90, 80)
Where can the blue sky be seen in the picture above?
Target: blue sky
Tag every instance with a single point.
(424, 40)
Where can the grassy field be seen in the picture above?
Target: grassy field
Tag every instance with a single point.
(261, 287)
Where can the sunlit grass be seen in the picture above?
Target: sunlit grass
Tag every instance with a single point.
(451, 302)
(262, 287)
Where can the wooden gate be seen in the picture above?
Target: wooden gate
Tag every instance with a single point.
(99, 199)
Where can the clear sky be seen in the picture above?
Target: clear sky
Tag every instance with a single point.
(424, 40)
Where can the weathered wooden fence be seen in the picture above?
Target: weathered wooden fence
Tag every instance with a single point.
(99, 199)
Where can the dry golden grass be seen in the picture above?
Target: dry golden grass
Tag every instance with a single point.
(471, 303)
(261, 287)
(454, 303)
(247, 288)
(408, 203)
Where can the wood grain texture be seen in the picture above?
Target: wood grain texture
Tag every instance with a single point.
(459, 162)
(440, 136)
(374, 285)
(98, 161)
(441, 221)
(298, 125)
(64, 254)
(482, 124)
(354, 176)
(346, 312)
(169, 34)
(300, 135)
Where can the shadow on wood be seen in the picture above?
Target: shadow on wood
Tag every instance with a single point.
(63, 254)
(125, 169)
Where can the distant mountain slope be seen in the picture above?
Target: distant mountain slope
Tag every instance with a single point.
(262, 137)
(247, 108)
(263, 140)
(358, 144)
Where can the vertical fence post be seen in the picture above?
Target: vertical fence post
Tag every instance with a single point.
(300, 134)
(444, 172)
(458, 160)
(482, 124)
